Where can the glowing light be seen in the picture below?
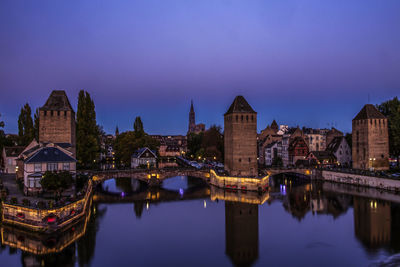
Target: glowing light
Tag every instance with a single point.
(181, 192)
(205, 204)
(147, 206)
(123, 194)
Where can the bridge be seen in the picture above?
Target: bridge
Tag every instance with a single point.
(152, 177)
(295, 171)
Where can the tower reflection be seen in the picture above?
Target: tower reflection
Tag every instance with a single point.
(241, 232)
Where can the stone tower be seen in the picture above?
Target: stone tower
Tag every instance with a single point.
(240, 137)
(57, 121)
(192, 119)
(370, 139)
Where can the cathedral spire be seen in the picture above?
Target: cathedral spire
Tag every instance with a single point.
(192, 119)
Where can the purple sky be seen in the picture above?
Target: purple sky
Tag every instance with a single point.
(307, 63)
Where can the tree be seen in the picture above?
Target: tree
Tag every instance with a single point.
(87, 131)
(36, 125)
(56, 182)
(128, 142)
(213, 143)
(209, 144)
(2, 135)
(391, 109)
(138, 127)
(25, 125)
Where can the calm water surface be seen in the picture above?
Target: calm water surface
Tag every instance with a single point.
(187, 223)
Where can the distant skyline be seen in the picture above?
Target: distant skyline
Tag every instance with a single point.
(310, 65)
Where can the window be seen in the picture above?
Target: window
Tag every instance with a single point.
(58, 113)
(51, 113)
(45, 112)
(237, 118)
(65, 166)
(247, 118)
(52, 166)
(65, 113)
(38, 167)
(241, 117)
(240, 160)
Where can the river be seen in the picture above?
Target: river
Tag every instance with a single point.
(187, 223)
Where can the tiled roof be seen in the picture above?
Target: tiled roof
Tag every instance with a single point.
(13, 151)
(323, 155)
(49, 154)
(57, 100)
(240, 105)
(138, 153)
(369, 111)
(333, 146)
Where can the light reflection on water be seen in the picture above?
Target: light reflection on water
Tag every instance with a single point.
(186, 223)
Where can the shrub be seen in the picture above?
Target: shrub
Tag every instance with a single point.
(26, 202)
(14, 200)
(41, 205)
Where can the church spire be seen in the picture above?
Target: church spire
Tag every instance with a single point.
(192, 118)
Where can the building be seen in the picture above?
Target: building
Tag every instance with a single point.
(331, 134)
(45, 157)
(171, 145)
(144, 157)
(240, 140)
(57, 121)
(107, 153)
(9, 158)
(341, 149)
(316, 139)
(265, 138)
(298, 150)
(193, 127)
(285, 150)
(370, 139)
(273, 151)
(322, 158)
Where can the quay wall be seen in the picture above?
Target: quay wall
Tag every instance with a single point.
(239, 183)
(47, 220)
(359, 180)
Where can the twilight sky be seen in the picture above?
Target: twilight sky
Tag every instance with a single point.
(308, 63)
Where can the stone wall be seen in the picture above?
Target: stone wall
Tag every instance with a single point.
(57, 127)
(361, 180)
(241, 144)
(370, 144)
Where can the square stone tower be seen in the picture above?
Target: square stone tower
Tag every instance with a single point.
(240, 139)
(57, 121)
(370, 139)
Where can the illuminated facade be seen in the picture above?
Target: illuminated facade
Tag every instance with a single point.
(240, 138)
(370, 147)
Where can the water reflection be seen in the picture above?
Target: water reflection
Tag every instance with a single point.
(376, 220)
(241, 232)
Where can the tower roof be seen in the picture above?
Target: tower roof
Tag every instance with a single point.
(57, 100)
(369, 111)
(191, 106)
(240, 105)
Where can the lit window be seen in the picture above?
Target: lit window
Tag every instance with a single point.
(52, 166)
(38, 167)
(66, 166)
